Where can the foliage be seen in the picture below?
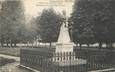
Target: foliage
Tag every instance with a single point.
(49, 24)
(94, 21)
(12, 21)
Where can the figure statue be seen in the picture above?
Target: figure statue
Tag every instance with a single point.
(64, 33)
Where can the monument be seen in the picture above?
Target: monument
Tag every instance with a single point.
(65, 47)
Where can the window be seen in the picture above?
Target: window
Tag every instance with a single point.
(70, 58)
(64, 58)
(57, 58)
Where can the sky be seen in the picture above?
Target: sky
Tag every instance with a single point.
(35, 7)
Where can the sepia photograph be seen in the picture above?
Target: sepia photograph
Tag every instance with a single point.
(57, 35)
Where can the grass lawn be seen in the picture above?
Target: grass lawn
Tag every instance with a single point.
(10, 51)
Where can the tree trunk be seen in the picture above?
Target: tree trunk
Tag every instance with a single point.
(15, 44)
(80, 45)
(7, 44)
(110, 46)
(10, 43)
(28, 44)
(107, 45)
(88, 45)
(50, 44)
(100, 45)
(32, 45)
(2, 44)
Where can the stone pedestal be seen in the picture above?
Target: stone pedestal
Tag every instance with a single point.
(64, 47)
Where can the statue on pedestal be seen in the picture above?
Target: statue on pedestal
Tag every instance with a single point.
(64, 43)
(64, 54)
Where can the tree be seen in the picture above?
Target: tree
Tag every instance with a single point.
(49, 23)
(31, 31)
(82, 23)
(12, 21)
(104, 22)
(93, 21)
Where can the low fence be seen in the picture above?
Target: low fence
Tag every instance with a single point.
(97, 59)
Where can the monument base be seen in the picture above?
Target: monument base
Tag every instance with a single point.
(64, 47)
